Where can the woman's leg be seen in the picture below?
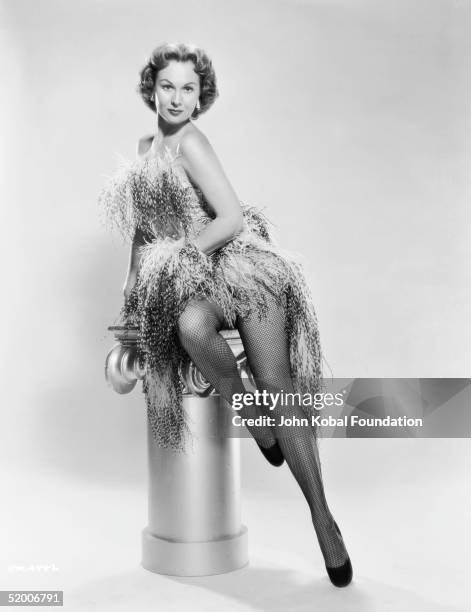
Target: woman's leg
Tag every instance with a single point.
(267, 350)
(198, 328)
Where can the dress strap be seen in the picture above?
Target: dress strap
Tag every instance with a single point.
(153, 149)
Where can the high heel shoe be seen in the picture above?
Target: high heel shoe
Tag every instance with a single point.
(340, 576)
(273, 454)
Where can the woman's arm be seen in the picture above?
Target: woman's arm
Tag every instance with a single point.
(133, 266)
(143, 145)
(204, 168)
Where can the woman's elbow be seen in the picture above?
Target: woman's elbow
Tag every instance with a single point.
(237, 223)
(231, 225)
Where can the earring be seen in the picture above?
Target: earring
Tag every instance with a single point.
(198, 105)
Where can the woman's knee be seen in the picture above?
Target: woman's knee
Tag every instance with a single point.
(195, 322)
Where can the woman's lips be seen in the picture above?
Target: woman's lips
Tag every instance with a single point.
(174, 112)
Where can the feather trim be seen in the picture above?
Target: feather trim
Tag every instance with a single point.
(148, 195)
(154, 196)
(171, 273)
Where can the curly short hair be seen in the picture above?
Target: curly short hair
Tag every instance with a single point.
(181, 52)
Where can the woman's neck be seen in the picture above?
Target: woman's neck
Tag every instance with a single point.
(166, 130)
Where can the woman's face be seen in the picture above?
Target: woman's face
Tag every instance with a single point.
(177, 90)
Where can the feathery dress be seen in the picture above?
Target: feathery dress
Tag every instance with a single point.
(155, 195)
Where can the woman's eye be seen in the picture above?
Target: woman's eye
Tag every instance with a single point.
(189, 88)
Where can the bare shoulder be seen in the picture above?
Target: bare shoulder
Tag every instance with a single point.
(144, 144)
(194, 142)
(196, 151)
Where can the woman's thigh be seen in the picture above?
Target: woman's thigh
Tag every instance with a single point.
(266, 343)
(198, 315)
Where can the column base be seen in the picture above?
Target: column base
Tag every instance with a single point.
(194, 558)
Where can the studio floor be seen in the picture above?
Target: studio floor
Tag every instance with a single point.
(403, 507)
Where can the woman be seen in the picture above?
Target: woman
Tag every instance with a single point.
(202, 261)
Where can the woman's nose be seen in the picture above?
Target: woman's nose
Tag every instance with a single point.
(176, 98)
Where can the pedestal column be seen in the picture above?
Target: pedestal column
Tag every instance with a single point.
(194, 526)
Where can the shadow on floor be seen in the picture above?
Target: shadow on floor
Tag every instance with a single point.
(259, 588)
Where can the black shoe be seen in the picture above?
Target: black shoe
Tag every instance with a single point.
(340, 576)
(273, 454)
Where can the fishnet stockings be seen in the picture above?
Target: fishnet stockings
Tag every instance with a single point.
(198, 328)
(266, 346)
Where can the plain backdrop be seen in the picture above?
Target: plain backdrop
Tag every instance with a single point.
(347, 122)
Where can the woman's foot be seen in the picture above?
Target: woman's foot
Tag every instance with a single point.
(272, 453)
(263, 435)
(340, 575)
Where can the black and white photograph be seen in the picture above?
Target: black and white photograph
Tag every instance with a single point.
(236, 292)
